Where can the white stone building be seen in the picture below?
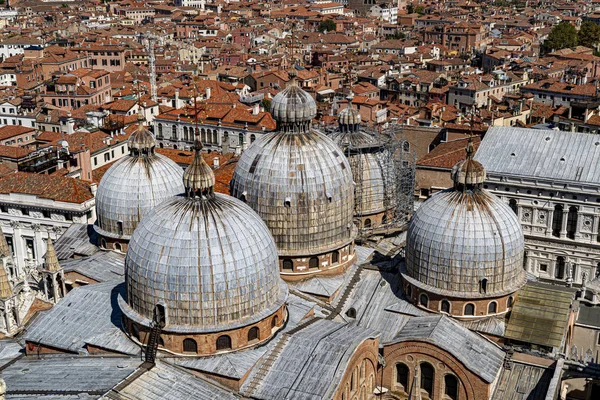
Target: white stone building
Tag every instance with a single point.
(33, 207)
(551, 179)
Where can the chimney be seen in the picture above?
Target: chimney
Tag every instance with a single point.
(255, 109)
(94, 188)
(208, 92)
(216, 162)
(177, 99)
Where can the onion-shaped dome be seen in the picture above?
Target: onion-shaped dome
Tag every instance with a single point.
(465, 241)
(293, 106)
(134, 185)
(206, 258)
(300, 183)
(349, 117)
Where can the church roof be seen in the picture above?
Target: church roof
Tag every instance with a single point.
(544, 154)
(478, 354)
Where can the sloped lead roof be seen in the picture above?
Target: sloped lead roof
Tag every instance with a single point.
(476, 353)
(545, 154)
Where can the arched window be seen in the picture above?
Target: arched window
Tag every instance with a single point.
(160, 131)
(402, 375)
(174, 132)
(335, 257)
(424, 300)
(203, 136)
(313, 262)
(384, 219)
(470, 309)
(190, 346)
(557, 220)
(351, 313)
(492, 307)
(185, 133)
(274, 321)
(445, 306)
(253, 334)
(215, 137)
(103, 243)
(513, 206)
(159, 316)
(483, 285)
(118, 246)
(252, 138)
(572, 222)
(427, 378)
(367, 223)
(559, 269)
(451, 386)
(509, 302)
(241, 139)
(223, 343)
(288, 265)
(406, 146)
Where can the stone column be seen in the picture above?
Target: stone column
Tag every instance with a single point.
(19, 247)
(549, 222)
(563, 225)
(38, 242)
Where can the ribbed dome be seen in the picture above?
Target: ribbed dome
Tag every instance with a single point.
(207, 258)
(301, 185)
(463, 236)
(293, 105)
(349, 117)
(141, 141)
(132, 187)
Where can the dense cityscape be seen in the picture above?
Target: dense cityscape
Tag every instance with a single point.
(354, 200)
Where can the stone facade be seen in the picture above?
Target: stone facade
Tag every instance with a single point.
(360, 375)
(335, 262)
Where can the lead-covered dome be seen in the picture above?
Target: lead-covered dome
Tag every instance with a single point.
(299, 182)
(134, 185)
(207, 259)
(465, 241)
(293, 105)
(349, 117)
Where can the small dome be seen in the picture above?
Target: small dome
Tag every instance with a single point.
(349, 117)
(463, 237)
(293, 105)
(134, 185)
(207, 258)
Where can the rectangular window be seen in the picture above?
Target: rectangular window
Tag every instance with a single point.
(25, 211)
(29, 246)
(544, 267)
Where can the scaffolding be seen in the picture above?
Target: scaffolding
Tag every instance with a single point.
(383, 167)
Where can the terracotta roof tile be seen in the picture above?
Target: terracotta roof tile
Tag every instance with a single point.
(446, 155)
(54, 187)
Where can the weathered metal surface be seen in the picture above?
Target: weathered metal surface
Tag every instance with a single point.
(293, 105)
(78, 239)
(456, 239)
(557, 156)
(165, 381)
(210, 262)
(101, 267)
(477, 353)
(87, 315)
(309, 366)
(66, 375)
(301, 186)
(523, 382)
(132, 187)
(540, 315)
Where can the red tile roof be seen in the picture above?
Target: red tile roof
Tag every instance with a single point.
(54, 187)
(446, 155)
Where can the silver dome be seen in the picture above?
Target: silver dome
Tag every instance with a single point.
(349, 117)
(131, 188)
(207, 258)
(301, 185)
(293, 105)
(372, 168)
(463, 236)
(212, 265)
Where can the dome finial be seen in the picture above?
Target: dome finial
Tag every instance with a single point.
(199, 178)
(141, 142)
(468, 174)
